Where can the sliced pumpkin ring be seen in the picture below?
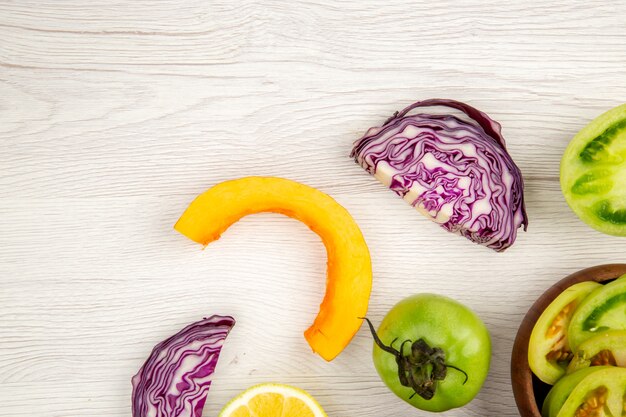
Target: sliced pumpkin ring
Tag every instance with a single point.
(349, 273)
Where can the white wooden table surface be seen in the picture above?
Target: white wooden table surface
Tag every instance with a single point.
(115, 114)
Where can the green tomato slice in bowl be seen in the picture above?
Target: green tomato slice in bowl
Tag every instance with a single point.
(605, 348)
(548, 348)
(604, 309)
(600, 393)
(562, 389)
(432, 352)
(593, 173)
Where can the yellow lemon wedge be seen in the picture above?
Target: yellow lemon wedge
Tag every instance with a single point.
(273, 400)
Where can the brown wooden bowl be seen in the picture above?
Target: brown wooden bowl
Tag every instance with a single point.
(528, 390)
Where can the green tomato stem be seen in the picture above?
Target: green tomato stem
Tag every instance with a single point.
(421, 367)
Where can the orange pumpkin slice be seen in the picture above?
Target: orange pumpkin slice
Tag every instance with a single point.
(349, 274)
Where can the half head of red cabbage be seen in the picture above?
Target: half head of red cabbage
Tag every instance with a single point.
(454, 170)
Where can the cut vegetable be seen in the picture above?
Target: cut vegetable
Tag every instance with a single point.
(562, 389)
(605, 348)
(273, 400)
(349, 280)
(603, 309)
(456, 172)
(174, 381)
(548, 349)
(593, 173)
(600, 393)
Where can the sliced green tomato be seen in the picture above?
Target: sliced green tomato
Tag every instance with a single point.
(605, 348)
(604, 309)
(562, 389)
(593, 173)
(548, 348)
(600, 394)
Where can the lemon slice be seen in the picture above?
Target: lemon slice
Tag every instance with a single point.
(273, 400)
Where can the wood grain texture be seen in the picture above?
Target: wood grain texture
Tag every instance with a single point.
(115, 114)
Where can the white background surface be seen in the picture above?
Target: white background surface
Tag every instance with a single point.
(114, 115)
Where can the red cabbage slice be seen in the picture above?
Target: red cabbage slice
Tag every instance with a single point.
(174, 381)
(457, 172)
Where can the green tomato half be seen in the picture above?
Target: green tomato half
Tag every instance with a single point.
(593, 173)
(603, 309)
(604, 348)
(562, 389)
(548, 348)
(458, 338)
(601, 393)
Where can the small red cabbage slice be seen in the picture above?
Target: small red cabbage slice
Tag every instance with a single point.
(454, 170)
(174, 381)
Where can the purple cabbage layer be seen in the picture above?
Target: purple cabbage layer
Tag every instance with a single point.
(455, 171)
(174, 381)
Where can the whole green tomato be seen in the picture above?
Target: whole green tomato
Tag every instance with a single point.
(432, 352)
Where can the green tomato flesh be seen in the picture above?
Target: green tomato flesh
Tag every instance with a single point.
(548, 347)
(562, 389)
(444, 323)
(601, 393)
(593, 173)
(605, 348)
(603, 309)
